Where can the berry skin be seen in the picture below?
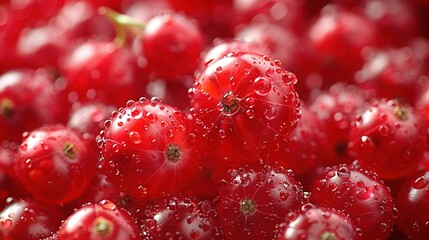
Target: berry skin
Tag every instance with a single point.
(412, 199)
(336, 108)
(244, 103)
(29, 220)
(147, 149)
(252, 200)
(27, 94)
(360, 195)
(171, 44)
(311, 222)
(54, 164)
(388, 138)
(179, 218)
(99, 70)
(97, 221)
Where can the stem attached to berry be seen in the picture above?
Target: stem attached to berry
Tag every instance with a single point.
(120, 21)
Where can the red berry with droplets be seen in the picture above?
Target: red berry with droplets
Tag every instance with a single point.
(359, 194)
(252, 200)
(55, 164)
(388, 138)
(315, 222)
(412, 199)
(244, 103)
(171, 45)
(97, 221)
(29, 220)
(147, 149)
(336, 108)
(179, 218)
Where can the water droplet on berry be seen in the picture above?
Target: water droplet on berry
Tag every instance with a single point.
(269, 72)
(384, 130)
(367, 144)
(106, 204)
(219, 69)
(250, 113)
(270, 113)
(135, 137)
(222, 133)
(262, 86)
(24, 147)
(420, 183)
(284, 196)
(151, 117)
(115, 148)
(343, 172)
(364, 193)
(6, 223)
(136, 113)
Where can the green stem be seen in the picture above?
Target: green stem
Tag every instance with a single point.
(120, 21)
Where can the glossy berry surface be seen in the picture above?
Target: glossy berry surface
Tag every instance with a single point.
(252, 200)
(171, 44)
(179, 218)
(245, 103)
(56, 155)
(98, 221)
(360, 195)
(412, 202)
(312, 222)
(27, 94)
(388, 138)
(29, 219)
(146, 149)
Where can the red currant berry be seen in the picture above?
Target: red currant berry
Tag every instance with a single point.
(147, 149)
(252, 200)
(54, 164)
(28, 219)
(388, 138)
(28, 100)
(179, 218)
(171, 44)
(245, 104)
(311, 222)
(98, 221)
(99, 70)
(336, 108)
(412, 200)
(360, 195)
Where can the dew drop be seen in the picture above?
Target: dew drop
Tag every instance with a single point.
(219, 69)
(24, 147)
(151, 117)
(222, 133)
(343, 172)
(367, 144)
(384, 130)
(6, 223)
(420, 183)
(135, 137)
(262, 86)
(270, 113)
(269, 72)
(136, 113)
(250, 113)
(115, 148)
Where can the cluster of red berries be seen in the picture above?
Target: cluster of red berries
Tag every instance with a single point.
(214, 119)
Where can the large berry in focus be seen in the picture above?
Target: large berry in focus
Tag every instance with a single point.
(147, 149)
(246, 104)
